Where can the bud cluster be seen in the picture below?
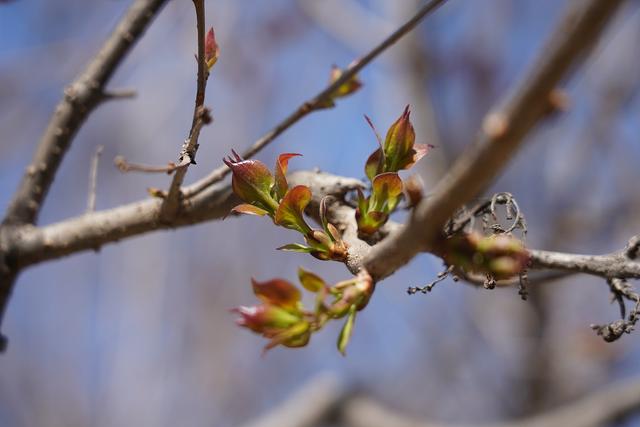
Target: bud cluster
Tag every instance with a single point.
(282, 318)
(398, 151)
(501, 256)
(269, 194)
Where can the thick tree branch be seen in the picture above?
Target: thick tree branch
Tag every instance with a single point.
(32, 245)
(503, 132)
(80, 98)
(93, 230)
(319, 100)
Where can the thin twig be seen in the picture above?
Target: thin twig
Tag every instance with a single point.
(200, 117)
(123, 165)
(118, 94)
(317, 101)
(93, 179)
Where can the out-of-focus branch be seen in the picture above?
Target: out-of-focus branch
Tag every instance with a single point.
(346, 20)
(200, 117)
(612, 265)
(314, 403)
(80, 98)
(319, 100)
(503, 132)
(598, 409)
(93, 179)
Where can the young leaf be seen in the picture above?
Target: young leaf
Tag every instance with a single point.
(295, 247)
(211, 49)
(385, 193)
(370, 222)
(374, 164)
(334, 233)
(290, 212)
(375, 131)
(264, 318)
(420, 150)
(277, 292)
(248, 209)
(347, 331)
(310, 281)
(363, 202)
(281, 186)
(399, 141)
(296, 336)
(328, 228)
(252, 181)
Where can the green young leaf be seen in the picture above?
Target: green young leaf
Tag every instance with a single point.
(347, 331)
(385, 193)
(334, 233)
(363, 202)
(278, 292)
(318, 240)
(265, 318)
(280, 187)
(296, 336)
(370, 222)
(311, 281)
(296, 247)
(329, 229)
(290, 212)
(248, 209)
(399, 141)
(374, 164)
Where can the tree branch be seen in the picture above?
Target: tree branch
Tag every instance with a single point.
(200, 117)
(317, 101)
(80, 98)
(93, 179)
(598, 409)
(32, 245)
(503, 132)
(93, 230)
